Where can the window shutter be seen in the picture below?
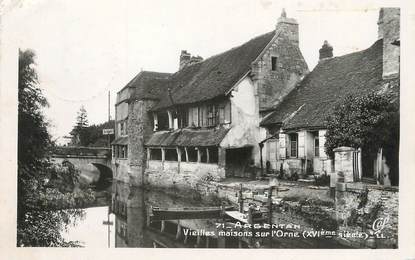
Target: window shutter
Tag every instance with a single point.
(283, 145)
(227, 113)
(221, 115)
(322, 141)
(190, 116)
(301, 144)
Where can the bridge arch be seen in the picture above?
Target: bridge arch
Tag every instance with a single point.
(105, 177)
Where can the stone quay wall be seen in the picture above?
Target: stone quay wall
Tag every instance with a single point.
(371, 209)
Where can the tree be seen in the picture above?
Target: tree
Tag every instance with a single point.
(36, 225)
(80, 135)
(95, 136)
(33, 135)
(368, 122)
(82, 118)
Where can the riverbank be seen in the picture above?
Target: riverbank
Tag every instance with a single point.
(351, 212)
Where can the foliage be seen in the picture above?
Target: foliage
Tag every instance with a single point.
(39, 228)
(37, 225)
(95, 136)
(363, 215)
(370, 121)
(33, 135)
(293, 177)
(92, 135)
(79, 133)
(82, 118)
(314, 213)
(322, 180)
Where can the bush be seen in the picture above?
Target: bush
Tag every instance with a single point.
(322, 180)
(368, 122)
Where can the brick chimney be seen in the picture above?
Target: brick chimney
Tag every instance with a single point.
(326, 51)
(195, 59)
(287, 27)
(184, 59)
(389, 31)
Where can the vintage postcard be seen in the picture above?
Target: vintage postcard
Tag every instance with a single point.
(253, 125)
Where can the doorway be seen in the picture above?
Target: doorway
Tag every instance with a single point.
(237, 161)
(368, 166)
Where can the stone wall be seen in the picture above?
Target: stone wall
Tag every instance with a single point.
(244, 129)
(389, 31)
(363, 208)
(184, 175)
(273, 86)
(139, 130)
(121, 169)
(292, 166)
(360, 206)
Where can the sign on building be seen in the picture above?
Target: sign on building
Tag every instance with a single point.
(109, 131)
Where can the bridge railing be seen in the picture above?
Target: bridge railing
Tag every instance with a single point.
(81, 151)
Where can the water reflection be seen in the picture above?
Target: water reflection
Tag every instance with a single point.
(133, 227)
(90, 231)
(129, 225)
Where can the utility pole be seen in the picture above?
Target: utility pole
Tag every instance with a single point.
(108, 223)
(109, 117)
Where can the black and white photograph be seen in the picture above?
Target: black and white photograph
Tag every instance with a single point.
(206, 124)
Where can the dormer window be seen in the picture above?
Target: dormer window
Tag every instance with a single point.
(273, 63)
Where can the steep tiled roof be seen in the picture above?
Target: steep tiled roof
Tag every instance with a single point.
(147, 84)
(330, 81)
(214, 76)
(188, 137)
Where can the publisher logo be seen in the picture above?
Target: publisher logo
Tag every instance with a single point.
(379, 224)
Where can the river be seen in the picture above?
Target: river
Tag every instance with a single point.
(124, 222)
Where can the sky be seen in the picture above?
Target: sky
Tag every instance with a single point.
(87, 48)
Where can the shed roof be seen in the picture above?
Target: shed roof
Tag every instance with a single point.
(121, 141)
(188, 137)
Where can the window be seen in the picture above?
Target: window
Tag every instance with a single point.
(122, 127)
(162, 121)
(202, 116)
(170, 155)
(193, 117)
(316, 146)
(293, 145)
(203, 155)
(120, 151)
(273, 63)
(123, 151)
(175, 120)
(155, 154)
(213, 154)
(212, 115)
(191, 154)
(182, 154)
(183, 117)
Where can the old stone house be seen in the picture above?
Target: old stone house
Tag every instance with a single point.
(126, 116)
(204, 120)
(298, 122)
(253, 106)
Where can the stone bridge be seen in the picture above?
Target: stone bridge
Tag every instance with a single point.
(94, 163)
